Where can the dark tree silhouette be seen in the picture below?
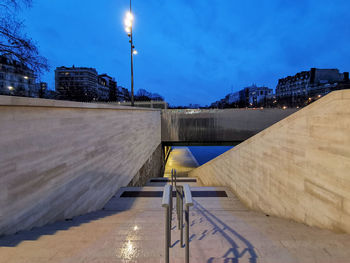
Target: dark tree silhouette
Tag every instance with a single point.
(14, 43)
(144, 95)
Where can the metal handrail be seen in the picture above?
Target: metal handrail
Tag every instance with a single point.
(179, 210)
(188, 195)
(166, 196)
(188, 203)
(173, 177)
(167, 204)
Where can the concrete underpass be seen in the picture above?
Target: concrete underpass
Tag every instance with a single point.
(130, 229)
(282, 195)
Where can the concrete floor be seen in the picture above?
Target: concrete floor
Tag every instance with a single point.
(132, 230)
(182, 160)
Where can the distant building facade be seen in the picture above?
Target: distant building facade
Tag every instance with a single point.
(16, 78)
(310, 83)
(252, 95)
(40, 90)
(77, 83)
(234, 97)
(123, 94)
(51, 94)
(107, 88)
(258, 95)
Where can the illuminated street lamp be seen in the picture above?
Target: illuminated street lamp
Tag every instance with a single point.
(128, 22)
(10, 87)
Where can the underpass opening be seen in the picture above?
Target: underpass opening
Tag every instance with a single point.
(186, 156)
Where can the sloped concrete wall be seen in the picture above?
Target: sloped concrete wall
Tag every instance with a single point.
(206, 126)
(59, 159)
(153, 167)
(298, 168)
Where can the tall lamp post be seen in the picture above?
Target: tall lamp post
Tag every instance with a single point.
(129, 18)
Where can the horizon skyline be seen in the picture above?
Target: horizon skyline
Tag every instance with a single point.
(189, 55)
(191, 103)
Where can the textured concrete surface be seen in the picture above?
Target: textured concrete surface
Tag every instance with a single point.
(61, 159)
(153, 167)
(180, 159)
(31, 102)
(132, 230)
(207, 126)
(296, 169)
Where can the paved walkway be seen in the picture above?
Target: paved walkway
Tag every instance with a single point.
(182, 160)
(131, 229)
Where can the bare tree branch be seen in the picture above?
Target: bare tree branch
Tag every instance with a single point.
(16, 4)
(13, 42)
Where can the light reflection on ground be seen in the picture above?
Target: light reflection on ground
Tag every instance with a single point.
(128, 251)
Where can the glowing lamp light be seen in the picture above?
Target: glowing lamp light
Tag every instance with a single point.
(26, 77)
(284, 107)
(129, 16)
(135, 52)
(127, 23)
(10, 87)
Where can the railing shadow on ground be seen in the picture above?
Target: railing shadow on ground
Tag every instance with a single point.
(178, 241)
(230, 235)
(50, 229)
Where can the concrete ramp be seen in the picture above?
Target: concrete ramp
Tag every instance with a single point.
(297, 169)
(131, 229)
(182, 160)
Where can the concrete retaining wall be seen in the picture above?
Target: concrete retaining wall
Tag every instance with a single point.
(206, 126)
(60, 159)
(153, 167)
(298, 168)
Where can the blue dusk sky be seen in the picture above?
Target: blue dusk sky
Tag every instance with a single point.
(193, 51)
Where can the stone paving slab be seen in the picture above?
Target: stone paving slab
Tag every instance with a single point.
(220, 232)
